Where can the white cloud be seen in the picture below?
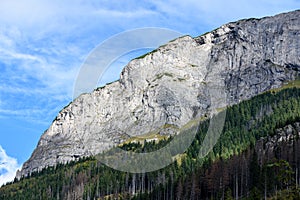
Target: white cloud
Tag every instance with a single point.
(8, 167)
(33, 83)
(7, 55)
(66, 16)
(214, 13)
(69, 17)
(124, 14)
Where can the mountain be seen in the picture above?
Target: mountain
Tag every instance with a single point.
(181, 81)
(256, 155)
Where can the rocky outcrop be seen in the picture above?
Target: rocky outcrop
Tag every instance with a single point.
(172, 85)
(282, 145)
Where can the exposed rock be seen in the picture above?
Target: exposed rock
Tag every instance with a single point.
(281, 144)
(172, 86)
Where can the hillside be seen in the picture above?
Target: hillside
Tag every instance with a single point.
(256, 155)
(186, 79)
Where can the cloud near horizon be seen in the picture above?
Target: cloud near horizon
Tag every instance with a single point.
(8, 167)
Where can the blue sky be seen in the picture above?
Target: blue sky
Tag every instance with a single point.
(44, 43)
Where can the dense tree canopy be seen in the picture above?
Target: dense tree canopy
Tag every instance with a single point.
(233, 169)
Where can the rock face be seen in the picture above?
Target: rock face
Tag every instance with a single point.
(284, 142)
(171, 85)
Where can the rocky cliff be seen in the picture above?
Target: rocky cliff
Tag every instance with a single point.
(171, 86)
(282, 145)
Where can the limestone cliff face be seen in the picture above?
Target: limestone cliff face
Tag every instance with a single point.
(171, 86)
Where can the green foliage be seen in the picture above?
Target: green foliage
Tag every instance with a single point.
(228, 194)
(245, 124)
(255, 194)
(284, 173)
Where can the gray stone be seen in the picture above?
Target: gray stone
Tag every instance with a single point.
(172, 86)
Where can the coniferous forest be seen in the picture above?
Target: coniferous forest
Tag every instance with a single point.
(256, 157)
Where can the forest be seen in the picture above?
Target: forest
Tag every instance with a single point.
(245, 163)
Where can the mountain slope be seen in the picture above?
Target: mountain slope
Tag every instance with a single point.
(255, 139)
(172, 85)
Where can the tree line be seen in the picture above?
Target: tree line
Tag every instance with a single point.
(231, 170)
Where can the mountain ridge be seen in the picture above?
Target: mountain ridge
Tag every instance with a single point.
(171, 86)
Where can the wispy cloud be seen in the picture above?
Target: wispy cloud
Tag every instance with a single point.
(213, 13)
(36, 78)
(8, 167)
(124, 14)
